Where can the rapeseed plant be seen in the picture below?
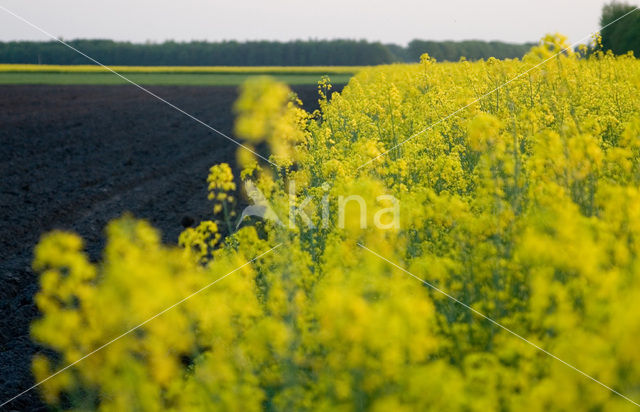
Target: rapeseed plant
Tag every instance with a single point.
(523, 206)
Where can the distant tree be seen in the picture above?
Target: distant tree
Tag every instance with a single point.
(399, 53)
(228, 53)
(470, 49)
(623, 35)
(252, 53)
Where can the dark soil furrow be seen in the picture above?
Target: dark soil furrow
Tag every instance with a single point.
(75, 157)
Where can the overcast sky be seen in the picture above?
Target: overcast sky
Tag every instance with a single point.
(397, 21)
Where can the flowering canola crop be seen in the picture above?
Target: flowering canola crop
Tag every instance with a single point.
(524, 206)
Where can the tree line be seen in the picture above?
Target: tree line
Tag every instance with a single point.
(252, 53)
(620, 37)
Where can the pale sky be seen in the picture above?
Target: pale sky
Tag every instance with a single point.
(397, 21)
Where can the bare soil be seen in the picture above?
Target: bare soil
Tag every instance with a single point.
(75, 157)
